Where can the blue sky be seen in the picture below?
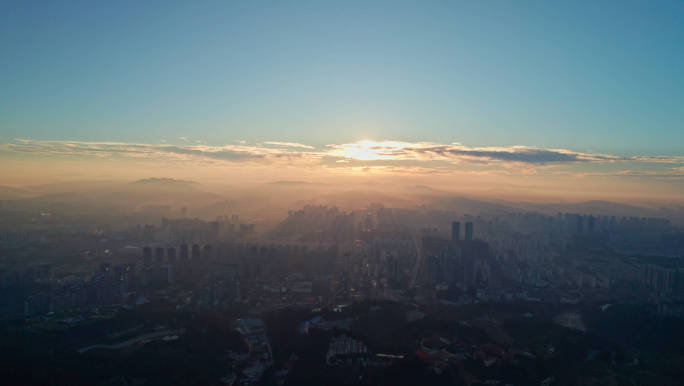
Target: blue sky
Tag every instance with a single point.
(602, 76)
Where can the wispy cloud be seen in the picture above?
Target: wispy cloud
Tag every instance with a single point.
(384, 155)
(288, 144)
(234, 153)
(456, 152)
(658, 159)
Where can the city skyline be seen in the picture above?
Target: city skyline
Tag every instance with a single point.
(306, 193)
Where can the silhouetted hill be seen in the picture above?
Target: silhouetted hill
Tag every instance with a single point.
(288, 182)
(355, 199)
(473, 206)
(107, 196)
(595, 207)
(163, 182)
(10, 193)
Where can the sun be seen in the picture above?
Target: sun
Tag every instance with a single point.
(368, 150)
(362, 153)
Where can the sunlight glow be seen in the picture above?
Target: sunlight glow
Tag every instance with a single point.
(368, 150)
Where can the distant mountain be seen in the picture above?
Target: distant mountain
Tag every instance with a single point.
(427, 189)
(355, 199)
(164, 182)
(119, 196)
(287, 182)
(597, 207)
(72, 186)
(472, 206)
(10, 193)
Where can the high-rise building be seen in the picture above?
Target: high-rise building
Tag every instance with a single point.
(393, 270)
(167, 274)
(171, 255)
(147, 256)
(206, 252)
(580, 224)
(105, 269)
(455, 230)
(159, 255)
(184, 252)
(469, 231)
(442, 260)
(195, 251)
(591, 224)
(442, 268)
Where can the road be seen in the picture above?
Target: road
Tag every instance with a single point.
(132, 341)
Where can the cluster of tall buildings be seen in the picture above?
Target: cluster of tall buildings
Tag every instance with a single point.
(461, 262)
(456, 231)
(345, 350)
(110, 286)
(662, 277)
(161, 255)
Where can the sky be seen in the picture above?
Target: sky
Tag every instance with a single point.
(524, 87)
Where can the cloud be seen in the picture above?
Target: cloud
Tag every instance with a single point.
(288, 144)
(384, 155)
(455, 152)
(233, 153)
(658, 159)
(520, 154)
